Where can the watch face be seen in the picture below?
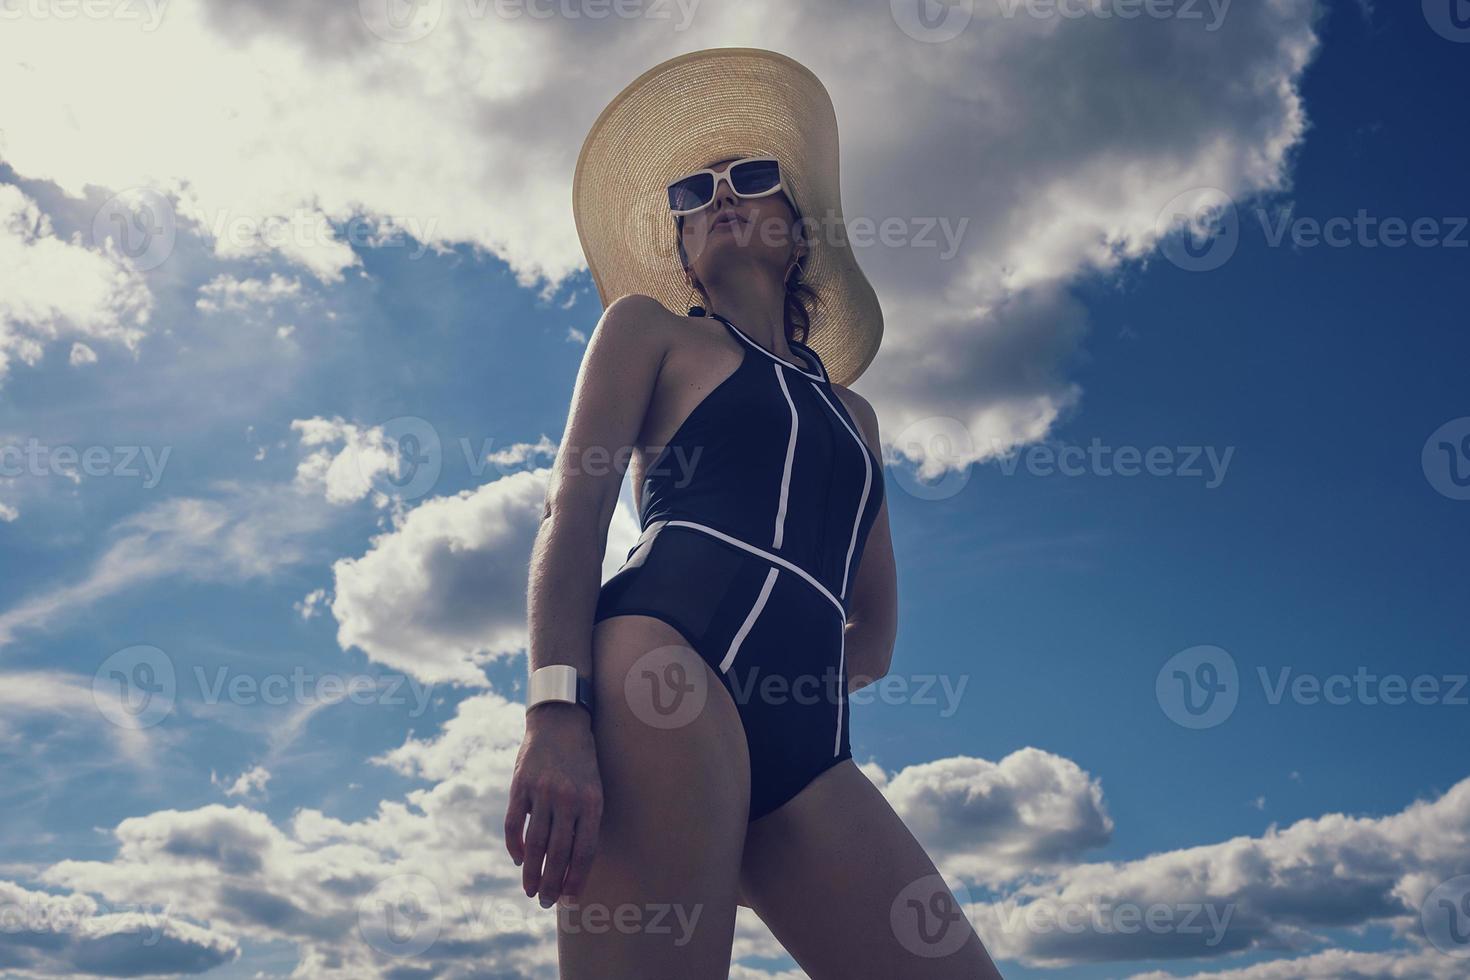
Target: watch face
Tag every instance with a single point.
(555, 682)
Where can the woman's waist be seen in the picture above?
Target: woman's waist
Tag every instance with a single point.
(804, 566)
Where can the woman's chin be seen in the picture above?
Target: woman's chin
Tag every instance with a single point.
(715, 242)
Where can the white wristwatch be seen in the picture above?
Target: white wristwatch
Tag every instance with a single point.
(558, 682)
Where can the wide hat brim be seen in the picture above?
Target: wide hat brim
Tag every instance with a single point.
(703, 106)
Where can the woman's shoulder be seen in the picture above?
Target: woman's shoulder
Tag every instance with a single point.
(856, 404)
(639, 326)
(861, 411)
(637, 322)
(636, 311)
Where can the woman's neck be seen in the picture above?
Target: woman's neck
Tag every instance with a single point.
(753, 304)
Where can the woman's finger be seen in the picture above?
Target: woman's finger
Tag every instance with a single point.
(515, 821)
(584, 846)
(537, 833)
(558, 851)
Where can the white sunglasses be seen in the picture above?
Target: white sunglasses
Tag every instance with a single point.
(748, 177)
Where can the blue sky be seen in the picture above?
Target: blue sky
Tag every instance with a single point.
(272, 540)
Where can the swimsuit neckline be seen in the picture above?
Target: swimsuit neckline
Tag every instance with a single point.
(820, 372)
(804, 350)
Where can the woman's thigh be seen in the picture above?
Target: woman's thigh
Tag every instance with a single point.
(842, 883)
(660, 894)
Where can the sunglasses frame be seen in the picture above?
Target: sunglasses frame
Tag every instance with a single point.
(724, 174)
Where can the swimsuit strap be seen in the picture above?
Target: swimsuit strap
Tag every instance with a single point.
(816, 358)
(820, 374)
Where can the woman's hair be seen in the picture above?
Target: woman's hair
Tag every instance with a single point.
(797, 317)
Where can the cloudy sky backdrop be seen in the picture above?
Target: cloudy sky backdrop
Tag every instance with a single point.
(1174, 415)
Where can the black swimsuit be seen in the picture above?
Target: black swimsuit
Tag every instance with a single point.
(754, 518)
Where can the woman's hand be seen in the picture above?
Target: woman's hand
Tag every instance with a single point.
(556, 781)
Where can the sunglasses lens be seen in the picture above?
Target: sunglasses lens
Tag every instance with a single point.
(755, 177)
(691, 192)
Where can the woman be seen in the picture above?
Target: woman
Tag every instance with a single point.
(708, 763)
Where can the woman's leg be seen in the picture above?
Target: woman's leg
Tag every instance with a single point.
(842, 883)
(660, 895)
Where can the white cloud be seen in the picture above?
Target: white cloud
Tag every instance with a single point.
(1274, 892)
(247, 531)
(518, 453)
(249, 783)
(445, 591)
(54, 288)
(225, 293)
(347, 474)
(311, 604)
(305, 882)
(58, 707)
(993, 821)
(1336, 964)
(74, 935)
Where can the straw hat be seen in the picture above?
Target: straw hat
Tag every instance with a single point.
(679, 116)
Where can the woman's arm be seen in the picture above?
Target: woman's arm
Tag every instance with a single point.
(556, 780)
(872, 621)
(613, 389)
